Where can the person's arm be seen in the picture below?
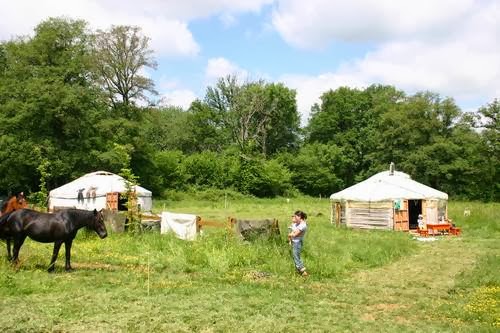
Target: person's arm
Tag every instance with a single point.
(295, 233)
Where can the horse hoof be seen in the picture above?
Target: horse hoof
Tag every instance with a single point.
(51, 269)
(69, 270)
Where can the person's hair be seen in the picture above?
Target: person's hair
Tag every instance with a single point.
(301, 214)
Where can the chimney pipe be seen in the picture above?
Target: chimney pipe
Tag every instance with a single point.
(391, 169)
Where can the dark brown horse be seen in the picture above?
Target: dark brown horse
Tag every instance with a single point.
(57, 228)
(15, 202)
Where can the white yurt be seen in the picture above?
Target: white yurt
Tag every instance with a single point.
(97, 190)
(388, 200)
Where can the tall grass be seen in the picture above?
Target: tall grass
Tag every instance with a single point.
(484, 219)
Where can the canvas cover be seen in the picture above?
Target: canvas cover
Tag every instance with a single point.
(182, 225)
(386, 186)
(89, 192)
(250, 229)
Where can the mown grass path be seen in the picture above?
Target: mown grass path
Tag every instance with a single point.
(410, 292)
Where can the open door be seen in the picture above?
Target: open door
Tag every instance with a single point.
(414, 209)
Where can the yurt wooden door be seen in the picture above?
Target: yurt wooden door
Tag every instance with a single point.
(401, 221)
(112, 200)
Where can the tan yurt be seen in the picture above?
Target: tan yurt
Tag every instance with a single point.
(388, 200)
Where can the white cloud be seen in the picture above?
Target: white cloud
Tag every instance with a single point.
(310, 88)
(165, 22)
(316, 23)
(453, 52)
(221, 67)
(187, 9)
(452, 69)
(181, 98)
(228, 20)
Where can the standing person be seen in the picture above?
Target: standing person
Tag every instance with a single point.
(296, 239)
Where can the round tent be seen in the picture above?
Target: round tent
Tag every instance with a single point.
(388, 200)
(96, 190)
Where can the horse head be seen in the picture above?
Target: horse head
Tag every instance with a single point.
(14, 203)
(99, 226)
(21, 201)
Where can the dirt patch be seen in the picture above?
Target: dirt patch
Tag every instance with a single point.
(368, 317)
(95, 266)
(385, 307)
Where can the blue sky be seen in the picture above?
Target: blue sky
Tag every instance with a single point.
(448, 47)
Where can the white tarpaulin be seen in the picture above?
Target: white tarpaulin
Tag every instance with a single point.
(183, 225)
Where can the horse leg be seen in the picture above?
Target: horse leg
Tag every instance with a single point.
(55, 253)
(67, 245)
(18, 242)
(9, 253)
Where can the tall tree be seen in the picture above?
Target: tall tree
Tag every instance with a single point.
(427, 137)
(350, 119)
(260, 117)
(120, 54)
(206, 129)
(48, 105)
(490, 135)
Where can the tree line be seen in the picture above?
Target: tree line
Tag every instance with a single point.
(73, 100)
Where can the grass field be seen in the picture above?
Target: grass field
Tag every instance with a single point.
(361, 281)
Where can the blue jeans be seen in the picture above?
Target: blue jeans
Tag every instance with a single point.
(296, 249)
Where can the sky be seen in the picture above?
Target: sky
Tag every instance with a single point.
(450, 47)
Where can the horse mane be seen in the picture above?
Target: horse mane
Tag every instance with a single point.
(4, 204)
(82, 213)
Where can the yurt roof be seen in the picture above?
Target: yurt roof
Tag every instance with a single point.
(388, 186)
(102, 181)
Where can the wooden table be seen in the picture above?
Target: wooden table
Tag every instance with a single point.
(434, 229)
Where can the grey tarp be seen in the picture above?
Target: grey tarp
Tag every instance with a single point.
(251, 229)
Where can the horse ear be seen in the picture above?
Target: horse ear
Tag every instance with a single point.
(95, 211)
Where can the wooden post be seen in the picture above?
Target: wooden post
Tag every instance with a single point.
(331, 212)
(338, 213)
(198, 224)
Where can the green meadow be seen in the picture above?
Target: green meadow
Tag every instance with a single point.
(360, 281)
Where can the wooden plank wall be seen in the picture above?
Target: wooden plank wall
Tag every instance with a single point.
(369, 215)
(431, 211)
(337, 213)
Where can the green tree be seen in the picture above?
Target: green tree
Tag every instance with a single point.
(317, 169)
(47, 100)
(262, 178)
(350, 119)
(490, 149)
(206, 129)
(169, 171)
(429, 138)
(120, 53)
(167, 128)
(260, 117)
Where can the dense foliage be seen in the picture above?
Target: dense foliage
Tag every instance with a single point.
(69, 105)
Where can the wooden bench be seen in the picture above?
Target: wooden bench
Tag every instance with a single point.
(422, 232)
(440, 228)
(455, 231)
